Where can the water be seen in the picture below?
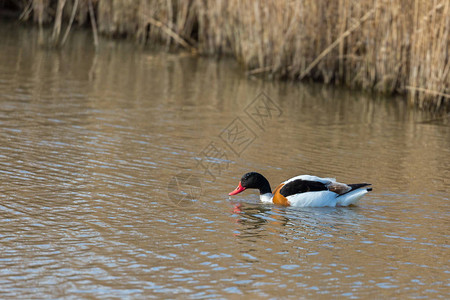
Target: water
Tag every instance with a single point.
(92, 146)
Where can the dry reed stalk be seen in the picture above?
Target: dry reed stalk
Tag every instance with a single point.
(38, 15)
(69, 26)
(58, 21)
(93, 23)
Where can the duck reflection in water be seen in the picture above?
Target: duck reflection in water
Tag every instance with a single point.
(258, 221)
(253, 217)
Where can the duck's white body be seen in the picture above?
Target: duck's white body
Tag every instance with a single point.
(319, 199)
(311, 191)
(326, 197)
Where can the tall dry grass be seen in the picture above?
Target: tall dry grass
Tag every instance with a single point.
(388, 46)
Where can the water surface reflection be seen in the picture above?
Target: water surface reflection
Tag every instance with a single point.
(90, 141)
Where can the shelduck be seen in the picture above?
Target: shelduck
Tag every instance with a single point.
(304, 191)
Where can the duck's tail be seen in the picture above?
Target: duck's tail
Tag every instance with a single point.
(355, 186)
(352, 196)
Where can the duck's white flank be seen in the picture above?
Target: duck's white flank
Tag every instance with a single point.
(351, 197)
(319, 198)
(326, 198)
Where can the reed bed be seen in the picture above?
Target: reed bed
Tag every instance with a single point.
(387, 46)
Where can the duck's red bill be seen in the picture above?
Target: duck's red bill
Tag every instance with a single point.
(239, 189)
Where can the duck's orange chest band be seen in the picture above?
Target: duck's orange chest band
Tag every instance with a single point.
(278, 198)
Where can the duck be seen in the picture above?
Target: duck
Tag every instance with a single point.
(304, 191)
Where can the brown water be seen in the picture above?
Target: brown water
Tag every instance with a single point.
(115, 168)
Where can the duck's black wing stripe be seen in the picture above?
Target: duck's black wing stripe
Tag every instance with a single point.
(301, 186)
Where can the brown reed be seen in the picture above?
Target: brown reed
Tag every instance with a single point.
(388, 46)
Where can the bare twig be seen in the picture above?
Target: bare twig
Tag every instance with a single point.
(171, 33)
(259, 70)
(26, 11)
